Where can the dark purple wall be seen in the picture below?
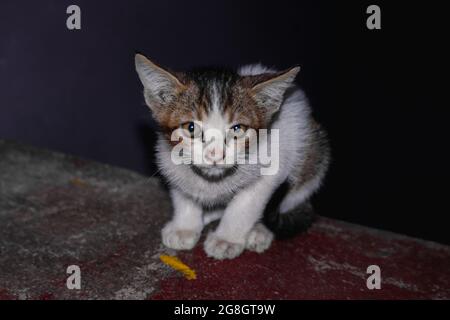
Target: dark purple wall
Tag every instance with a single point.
(375, 91)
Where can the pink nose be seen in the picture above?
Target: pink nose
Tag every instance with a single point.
(214, 154)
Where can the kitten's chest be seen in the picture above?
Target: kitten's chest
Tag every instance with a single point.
(210, 195)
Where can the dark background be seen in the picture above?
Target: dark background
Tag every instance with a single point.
(381, 94)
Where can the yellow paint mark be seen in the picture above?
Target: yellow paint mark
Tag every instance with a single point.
(78, 182)
(176, 264)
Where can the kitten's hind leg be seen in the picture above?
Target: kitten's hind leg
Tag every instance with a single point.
(183, 231)
(288, 212)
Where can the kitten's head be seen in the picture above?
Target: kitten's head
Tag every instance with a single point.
(214, 114)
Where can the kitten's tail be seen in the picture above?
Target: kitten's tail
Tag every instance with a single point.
(291, 223)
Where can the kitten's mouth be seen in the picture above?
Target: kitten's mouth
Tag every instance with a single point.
(214, 172)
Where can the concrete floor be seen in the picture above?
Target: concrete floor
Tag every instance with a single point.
(57, 210)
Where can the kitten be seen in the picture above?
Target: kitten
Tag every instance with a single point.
(196, 110)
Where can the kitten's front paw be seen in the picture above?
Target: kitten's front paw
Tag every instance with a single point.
(179, 239)
(259, 238)
(219, 248)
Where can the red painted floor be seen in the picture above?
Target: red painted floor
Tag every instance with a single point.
(329, 262)
(58, 210)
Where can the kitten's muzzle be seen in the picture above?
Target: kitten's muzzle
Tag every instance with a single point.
(214, 156)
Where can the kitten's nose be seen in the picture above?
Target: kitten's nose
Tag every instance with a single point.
(214, 155)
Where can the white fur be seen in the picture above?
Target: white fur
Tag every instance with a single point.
(244, 194)
(255, 69)
(184, 230)
(211, 216)
(259, 238)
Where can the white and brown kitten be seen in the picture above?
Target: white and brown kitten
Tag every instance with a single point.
(252, 207)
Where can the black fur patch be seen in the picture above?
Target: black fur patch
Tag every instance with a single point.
(290, 223)
(206, 78)
(216, 178)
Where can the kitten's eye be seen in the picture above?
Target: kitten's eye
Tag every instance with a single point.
(238, 130)
(192, 129)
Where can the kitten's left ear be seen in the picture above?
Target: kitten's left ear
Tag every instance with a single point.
(268, 89)
(160, 86)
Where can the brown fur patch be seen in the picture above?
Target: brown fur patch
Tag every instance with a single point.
(171, 115)
(243, 109)
(191, 103)
(240, 108)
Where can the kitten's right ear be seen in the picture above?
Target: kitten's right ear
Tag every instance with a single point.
(160, 86)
